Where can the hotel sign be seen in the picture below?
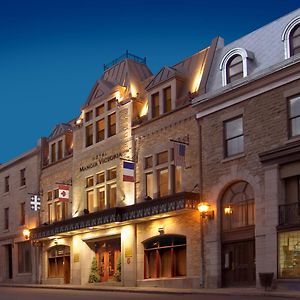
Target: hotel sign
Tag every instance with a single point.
(102, 158)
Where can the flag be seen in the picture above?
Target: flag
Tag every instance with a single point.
(179, 154)
(63, 193)
(128, 171)
(35, 202)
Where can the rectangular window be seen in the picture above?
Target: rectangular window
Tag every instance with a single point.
(6, 184)
(89, 135)
(100, 178)
(22, 177)
(89, 181)
(148, 162)
(163, 180)
(49, 194)
(294, 116)
(234, 136)
(60, 149)
(22, 213)
(56, 194)
(90, 200)
(112, 128)
(155, 105)
(61, 211)
(100, 131)
(6, 218)
(99, 110)
(53, 152)
(50, 216)
(289, 254)
(162, 157)
(178, 179)
(112, 174)
(149, 185)
(112, 195)
(167, 99)
(24, 257)
(101, 197)
(112, 104)
(88, 116)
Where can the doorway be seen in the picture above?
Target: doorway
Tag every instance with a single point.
(9, 262)
(238, 264)
(108, 254)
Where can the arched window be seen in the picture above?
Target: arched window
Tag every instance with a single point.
(238, 207)
(291, 38)
(295, 40)
(165, 256)
(234, 65)
(234, 68)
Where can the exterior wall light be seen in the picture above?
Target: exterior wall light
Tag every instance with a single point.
(161, 230)
(205, 211)
(26, 233)
(228, 210)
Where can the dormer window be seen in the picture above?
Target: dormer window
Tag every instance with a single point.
(234, 68)
(167, 100)
(155, 105)
(234, 65)
(291, 38)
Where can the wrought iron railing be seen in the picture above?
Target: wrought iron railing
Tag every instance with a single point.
(172, 203)
(124, 56)
(289, 214)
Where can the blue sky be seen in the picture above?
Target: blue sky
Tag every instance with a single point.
(52, 51)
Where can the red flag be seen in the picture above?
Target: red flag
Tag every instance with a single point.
(63, 193)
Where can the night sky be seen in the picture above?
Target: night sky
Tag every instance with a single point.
(53, 51)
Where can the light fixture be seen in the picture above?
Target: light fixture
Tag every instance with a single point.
(161, 229)
(26, 233)
(205, 211)
(228, 210)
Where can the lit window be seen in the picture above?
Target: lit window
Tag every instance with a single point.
(163, 182)
(112, 194)
(61, 211)
(149, 185)
(162, 157)
(56, 193)
(101, 198)
(90, 200)
(167, 99)
(165, 256)
(111, 104)
(88, 116)
(89, 135)
(112, 128)
(50, 215)
(89, 181)
(178, 179)
(155, 105)
(294, 116)
(234, 136)
(100, 177)
(100, 110)
(100, 131)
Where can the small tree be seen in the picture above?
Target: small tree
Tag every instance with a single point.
(94, 274)
(117, 274)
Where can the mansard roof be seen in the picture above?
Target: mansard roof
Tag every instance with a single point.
(185, 69)
(125, 73)
(59, 130)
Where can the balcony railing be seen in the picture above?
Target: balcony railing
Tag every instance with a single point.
(289, 214)
(172, 203)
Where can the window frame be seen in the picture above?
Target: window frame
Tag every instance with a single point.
(225, 139)
(289, 118)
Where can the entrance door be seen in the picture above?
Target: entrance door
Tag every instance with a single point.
(67, 269)
(108, 255)
(238, 264)
(9, 263)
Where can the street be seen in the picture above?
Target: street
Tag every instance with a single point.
(13, 293)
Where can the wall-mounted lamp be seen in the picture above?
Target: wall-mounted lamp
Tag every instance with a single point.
(161, 229)
(228, 210)
(26, 233)
(205, 211)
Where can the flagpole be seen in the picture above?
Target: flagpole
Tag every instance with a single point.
(179, 142)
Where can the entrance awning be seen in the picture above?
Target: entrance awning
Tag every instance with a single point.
(176, 202)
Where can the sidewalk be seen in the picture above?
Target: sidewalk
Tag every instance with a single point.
(154, 290)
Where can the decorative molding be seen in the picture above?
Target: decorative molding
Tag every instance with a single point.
(285, 37)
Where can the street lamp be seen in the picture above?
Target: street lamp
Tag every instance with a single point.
(26, 233)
